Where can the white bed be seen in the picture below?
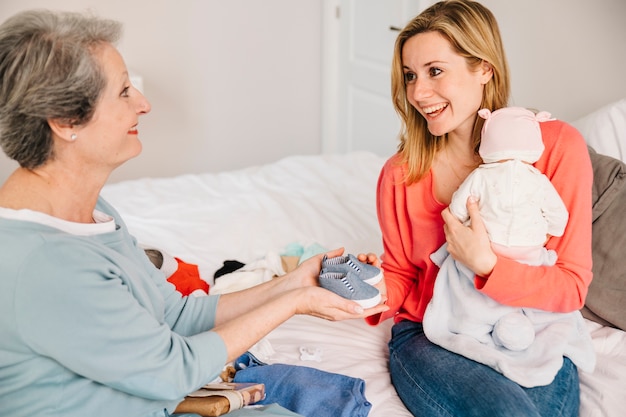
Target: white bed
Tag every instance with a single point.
(252, 213)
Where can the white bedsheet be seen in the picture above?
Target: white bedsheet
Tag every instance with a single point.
(330, 200)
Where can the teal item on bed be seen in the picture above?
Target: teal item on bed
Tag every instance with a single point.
(303, 252)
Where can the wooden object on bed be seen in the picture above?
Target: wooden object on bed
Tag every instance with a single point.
(219, 399)
(289, 262)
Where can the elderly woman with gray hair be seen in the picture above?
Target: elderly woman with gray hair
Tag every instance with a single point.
(89, 326)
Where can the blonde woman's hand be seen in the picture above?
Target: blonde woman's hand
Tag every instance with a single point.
(469, 245)
(372, 259)
(369, 258)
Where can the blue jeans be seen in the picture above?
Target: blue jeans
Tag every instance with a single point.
(432, 381)
(303, 390)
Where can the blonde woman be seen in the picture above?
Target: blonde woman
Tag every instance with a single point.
(448, 63)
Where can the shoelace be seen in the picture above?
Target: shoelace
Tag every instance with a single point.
(346, 283)
(353, 265)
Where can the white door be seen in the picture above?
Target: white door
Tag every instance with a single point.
(357, 110)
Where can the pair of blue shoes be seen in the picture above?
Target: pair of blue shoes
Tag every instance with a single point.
(348, 277)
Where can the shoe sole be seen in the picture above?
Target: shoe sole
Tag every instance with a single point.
(374, 280)
(370, 302)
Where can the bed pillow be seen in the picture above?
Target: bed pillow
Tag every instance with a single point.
(606, 299)
(605, 129)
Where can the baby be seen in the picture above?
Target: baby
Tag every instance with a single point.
(521, 210)
(518, 204)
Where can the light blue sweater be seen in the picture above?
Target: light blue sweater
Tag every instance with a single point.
(89, 327)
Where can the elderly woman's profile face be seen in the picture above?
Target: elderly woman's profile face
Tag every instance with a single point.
(111, 137)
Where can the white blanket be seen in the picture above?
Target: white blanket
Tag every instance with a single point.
(461, 319)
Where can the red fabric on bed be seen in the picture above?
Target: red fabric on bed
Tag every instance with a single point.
(187, 278)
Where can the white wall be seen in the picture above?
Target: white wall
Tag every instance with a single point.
(566, 56)
(232, 83)
(237, 82)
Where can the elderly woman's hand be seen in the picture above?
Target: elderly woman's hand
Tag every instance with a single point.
(319, 302)
(307, 273)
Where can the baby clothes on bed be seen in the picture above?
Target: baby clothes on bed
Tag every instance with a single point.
(304, 390)
(303, 252)
(465, 327)
(187, 279)
(249, 275)
(185, 276)
(236, 275)
(230, 265)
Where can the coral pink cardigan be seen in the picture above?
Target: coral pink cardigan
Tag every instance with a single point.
(412, 229)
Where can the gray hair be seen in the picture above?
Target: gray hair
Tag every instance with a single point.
(47, 71)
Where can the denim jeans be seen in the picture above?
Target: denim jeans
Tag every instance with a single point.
(303, 390)
(432, 381)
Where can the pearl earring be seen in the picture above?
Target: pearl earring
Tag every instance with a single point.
(73, 137)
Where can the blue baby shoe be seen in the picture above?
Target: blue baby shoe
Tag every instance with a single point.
(349, 263)
(350, 286)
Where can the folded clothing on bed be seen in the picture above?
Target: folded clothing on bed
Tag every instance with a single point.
(304, 390)
(185, 276)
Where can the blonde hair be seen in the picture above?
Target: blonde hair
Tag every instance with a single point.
(473, 33)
